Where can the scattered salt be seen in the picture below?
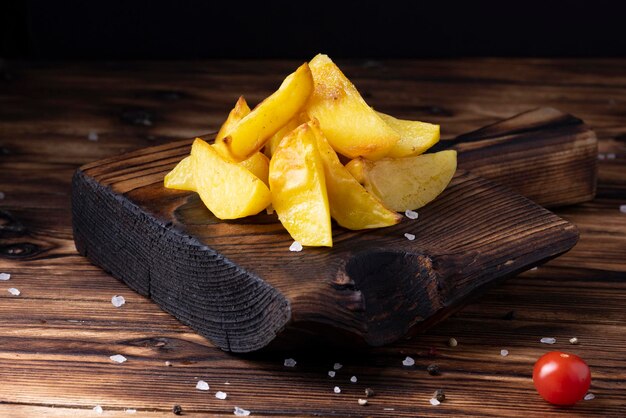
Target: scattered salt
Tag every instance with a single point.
(534, 268)
(547, 340)
(221, 395)
(240, 412)
(410, 237)
(434, 402)
(353, 379)
(601, 156)
(92, 136)
(389, 409)
(14, 291)
(336, 389)
(1, 195)
(5, 276)
(331, 373)
(118, 301)
(97, 409)
(504, 353)
(118, 358)
(295, 247)
(573, 340)
(202, 385)
(452, 342)
(589, 396)
(408, 361)
(289, 362)
(337, 366)
(410, 214)
(622, 208)
(168, 363)
(610, 156)
(131, 411)
(362, 402)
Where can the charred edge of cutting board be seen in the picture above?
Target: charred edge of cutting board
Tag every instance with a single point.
(232, 307)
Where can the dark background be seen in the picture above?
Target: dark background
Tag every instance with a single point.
(142, 29)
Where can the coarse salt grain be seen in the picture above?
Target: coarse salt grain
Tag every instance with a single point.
(118, 301)
(389, 409)
(504, 353)
(362, 402)
(97, 409)
(240, 412)
(452, 342)
(221, 395)
(408, 361)
(410, 214)
(118, 358)
(337, 366)
(14, 291)
(589, 396)
(1, 195)
(601, 156)
(547, 340)
(295, 247)
(289, 362)
(202, 385)
(337, 389)
(5, 276)
(131, 411)
(92, 136)
(410, 237)
(610, 156)
(168, 363)
(573, 340)
(353, 379)
(434, 402)
(331, 373)
(622, 208)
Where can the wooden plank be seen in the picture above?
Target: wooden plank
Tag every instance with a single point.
(462, 95)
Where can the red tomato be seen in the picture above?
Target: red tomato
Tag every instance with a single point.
(561, 378)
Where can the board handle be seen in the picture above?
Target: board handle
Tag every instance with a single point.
(544, 154)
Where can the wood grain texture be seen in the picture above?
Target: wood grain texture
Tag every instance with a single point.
(56, 338)
(543, 154)
(237, 284)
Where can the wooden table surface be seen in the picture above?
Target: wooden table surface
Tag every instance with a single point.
(57, 336)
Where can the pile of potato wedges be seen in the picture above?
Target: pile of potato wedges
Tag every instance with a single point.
(288, 154)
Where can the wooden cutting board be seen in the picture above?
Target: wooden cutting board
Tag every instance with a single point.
(237, 283)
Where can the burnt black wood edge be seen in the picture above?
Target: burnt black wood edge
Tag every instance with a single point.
(187, 279)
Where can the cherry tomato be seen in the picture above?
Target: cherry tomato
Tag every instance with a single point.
(561, 378)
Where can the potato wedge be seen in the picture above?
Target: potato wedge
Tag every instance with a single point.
(227, 189)
(181, 177)
(259, 165)
(351, 206)
(406, 183)
(415, 137)
(255, 129)
(237, 113)
(298, 188)
(350, 125)
(272, 144)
